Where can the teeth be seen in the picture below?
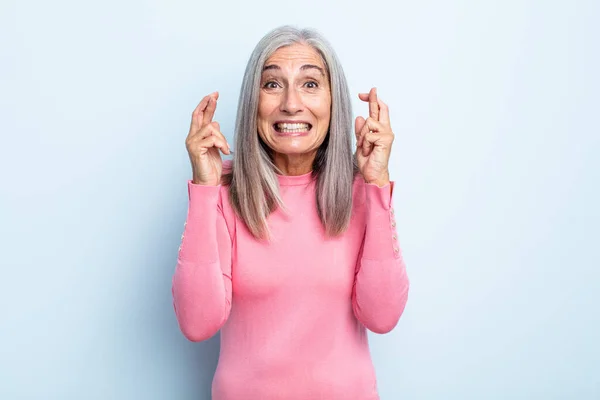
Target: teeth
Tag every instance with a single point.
(293, 127)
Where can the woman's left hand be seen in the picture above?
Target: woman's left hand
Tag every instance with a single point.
(374, 138)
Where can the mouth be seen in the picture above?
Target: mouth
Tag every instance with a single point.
(292, 129)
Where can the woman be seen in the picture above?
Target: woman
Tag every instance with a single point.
(291, 249)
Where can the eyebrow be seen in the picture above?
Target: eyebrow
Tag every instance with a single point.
(302, 68)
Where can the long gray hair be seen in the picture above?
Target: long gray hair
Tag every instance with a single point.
(252, 180)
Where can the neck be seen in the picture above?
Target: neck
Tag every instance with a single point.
(294, 164)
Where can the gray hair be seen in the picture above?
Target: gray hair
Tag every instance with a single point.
(252, 180)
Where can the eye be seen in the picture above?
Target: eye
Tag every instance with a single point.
(312, 84)
(270, 85)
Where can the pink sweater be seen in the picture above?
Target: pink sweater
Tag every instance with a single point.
(293, 313)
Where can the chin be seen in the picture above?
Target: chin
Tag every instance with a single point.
(292, 145)
(292, 150)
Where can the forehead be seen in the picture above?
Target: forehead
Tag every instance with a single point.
(294, 56)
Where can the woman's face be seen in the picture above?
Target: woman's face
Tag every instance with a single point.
(294, 106)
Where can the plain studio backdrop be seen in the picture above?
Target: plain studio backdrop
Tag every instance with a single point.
(495, 108)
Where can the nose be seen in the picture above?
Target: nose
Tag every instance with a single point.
(291, 102)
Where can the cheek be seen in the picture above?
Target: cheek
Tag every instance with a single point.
(322, 109)
(263, 116)
(267, 103)
(266, 109)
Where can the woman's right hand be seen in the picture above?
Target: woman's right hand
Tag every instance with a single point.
(204, 141)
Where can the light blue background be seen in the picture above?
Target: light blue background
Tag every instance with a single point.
(495, 106)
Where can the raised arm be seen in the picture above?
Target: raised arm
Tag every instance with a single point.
(381, 285)
(202, 280)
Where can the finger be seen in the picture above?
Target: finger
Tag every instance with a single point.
(367, 144)
(373, 125)
(217, 132)
(369, 140)
(215, 141)
(206, 130)
(359, 122)
(364, 131)
(196, 123)
(214, 129)
(373, 105)
(384, 113)
(211, 129)
(210, 108)
(370, 125)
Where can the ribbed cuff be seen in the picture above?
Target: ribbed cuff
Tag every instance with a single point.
(202, 198)
(199, 239)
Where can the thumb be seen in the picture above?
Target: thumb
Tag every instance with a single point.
(359, 123)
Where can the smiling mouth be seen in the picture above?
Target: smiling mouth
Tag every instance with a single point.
(292, 128)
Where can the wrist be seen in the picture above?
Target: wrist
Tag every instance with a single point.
(381, 182)
(198, 181)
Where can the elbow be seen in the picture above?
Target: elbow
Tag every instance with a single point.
(197, 318)
(199, 330)
(389, 320)
(377, 322)
(197, 335)
(384, 326)
(197, 327)
(386, 318)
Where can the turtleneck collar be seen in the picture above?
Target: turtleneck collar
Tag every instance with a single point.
(292, 180)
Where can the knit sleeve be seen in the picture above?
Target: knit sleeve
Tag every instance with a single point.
(381, 284)
(201, 284)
